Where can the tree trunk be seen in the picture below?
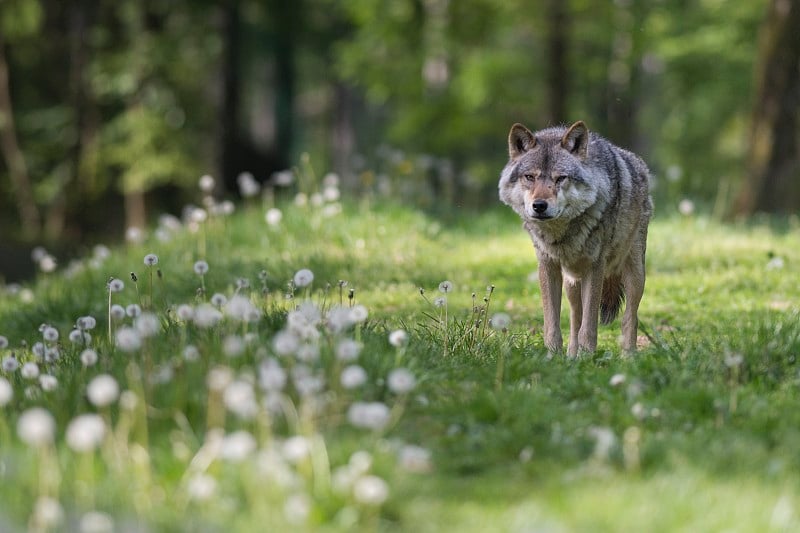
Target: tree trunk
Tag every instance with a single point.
(557, 57)
(343, 142)
(286, 25)
(29, 217)
(772, 183)
(228, 133)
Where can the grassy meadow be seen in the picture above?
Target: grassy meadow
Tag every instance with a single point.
(249, 397)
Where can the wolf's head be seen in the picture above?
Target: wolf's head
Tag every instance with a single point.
(548, 176)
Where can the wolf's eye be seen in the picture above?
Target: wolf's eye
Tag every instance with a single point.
(529, 177)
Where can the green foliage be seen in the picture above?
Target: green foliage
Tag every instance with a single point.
(702, 421)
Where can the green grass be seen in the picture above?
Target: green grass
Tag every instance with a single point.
(702, 435)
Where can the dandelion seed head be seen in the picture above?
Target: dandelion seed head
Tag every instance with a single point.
(398, 338)
(103, 390)
(218, 300)
(401, 381)
(446, 286)
(500, 321)
(370, 490)
(206, 316)
(271, 376)
(96, 522)
(86, 322)
(48, 382)
(686, 207)
(240, 399)
(85, 433)
(339, 319)
(273, 216)
(353, 376)
(185, 312)
(233, 346)
(206, 183)
(190, 353)
(733, 360)
(200, 268)
(285, 343)
(297, 509)
(348, 350)
(296, 449)
(89, 357)
(6, 392)
(147, 324)
(78, 336)
(50, 334)
(368, 415)
(30, 370)
(133, 310)
(47, 513)
(36, 427)
(358, 314)
(117, 312)
(241, 308)
(201, 487)
(10, 364)
(617, 380)
(128, 339)
(237, 446)
(303, 278)
(415, 459)
(51, 354)
(115, 285)
(3, 342)
(48, 264)
(218, 378)
(440, 301)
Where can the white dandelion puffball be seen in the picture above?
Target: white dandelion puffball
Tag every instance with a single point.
(348, 350)
(201, 487)
(446, 286)
(30, 370)
(103, 390)
(296, 448)
(115, 285)
(85, 432)
(10, 364)
(353, 376)
(150, 260)
(185, 312)
(200, 268)
(303, 278)
(128, 339)
(240, 399)
(616, 380)
(206, 316)
(273, 216)
(96, 522)
(36, 427)
(370, 490)
(206, 183)
(401, 381)
(500, 321)
(117, 312)
(3, 342)
(358, 314)
(6, 392)
(48, 382)
(237, 446)
(398, 338)
(89, 357)
(147, 324)
(50, 334)
(86, 322)
(133, 310)
(369, 415)
(415, 459)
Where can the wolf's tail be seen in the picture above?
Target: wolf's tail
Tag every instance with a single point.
(612, 299)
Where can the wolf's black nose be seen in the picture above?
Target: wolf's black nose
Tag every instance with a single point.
(540, 206)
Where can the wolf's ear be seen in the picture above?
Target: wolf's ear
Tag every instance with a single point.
(576, 140)
(520, 140)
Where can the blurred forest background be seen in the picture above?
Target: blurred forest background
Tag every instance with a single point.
(110, 110)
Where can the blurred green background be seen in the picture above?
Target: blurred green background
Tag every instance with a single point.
(110, 111)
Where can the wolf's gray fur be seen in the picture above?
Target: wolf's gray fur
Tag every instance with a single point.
(586, 205)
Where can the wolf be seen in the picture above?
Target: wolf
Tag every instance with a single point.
(586, 205)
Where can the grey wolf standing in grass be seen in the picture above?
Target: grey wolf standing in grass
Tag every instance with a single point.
(586, 205)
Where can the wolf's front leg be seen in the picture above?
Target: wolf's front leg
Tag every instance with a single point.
(591, 293)
(550, 284)
(573, 290)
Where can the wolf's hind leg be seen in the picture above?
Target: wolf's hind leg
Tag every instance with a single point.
(633, 277)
